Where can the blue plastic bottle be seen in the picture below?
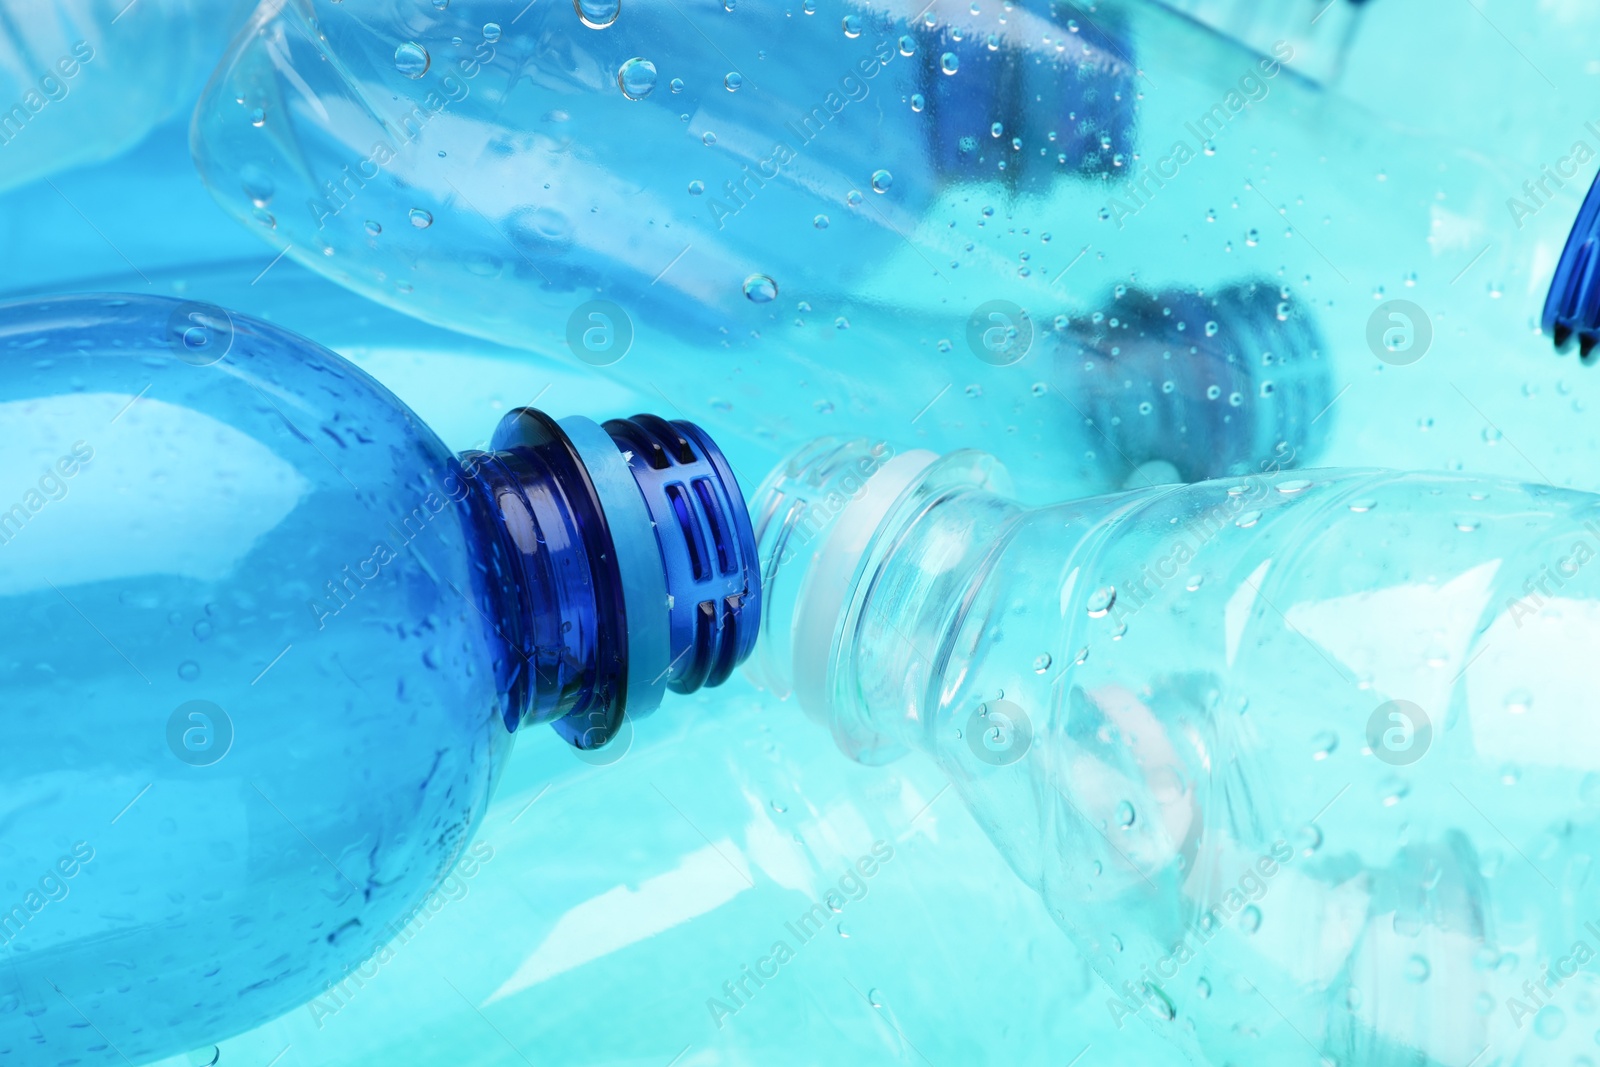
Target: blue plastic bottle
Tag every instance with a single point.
(265, 642)
(786, 218)
(1305, 764)
(82, 81)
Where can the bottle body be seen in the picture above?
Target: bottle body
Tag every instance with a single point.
(240, 680)
(1299, 762)
(902, 230)
(266, 642)
(82, 82)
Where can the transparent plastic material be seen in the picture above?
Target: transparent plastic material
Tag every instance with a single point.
(1531, 102)
(1301, 761)
(265, 641)
(83, 80)
(1321, 32)
(784, 218)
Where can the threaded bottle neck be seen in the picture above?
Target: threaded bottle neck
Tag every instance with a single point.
(1206, 385)
(621, 564)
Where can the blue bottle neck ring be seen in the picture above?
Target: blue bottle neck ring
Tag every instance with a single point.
(626, 566)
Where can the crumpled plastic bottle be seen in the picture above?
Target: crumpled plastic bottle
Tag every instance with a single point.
(84, 80)
(783, 218)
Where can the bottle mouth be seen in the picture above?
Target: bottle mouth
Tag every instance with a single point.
(821, 517)
(638, 561)
(1572, 308)
(1204, 385)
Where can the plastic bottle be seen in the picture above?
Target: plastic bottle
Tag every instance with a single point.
(82, 81)
(821, 214)
(1321, 32)
(1302, 762)
(266, 642)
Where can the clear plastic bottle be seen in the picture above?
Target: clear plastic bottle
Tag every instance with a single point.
(1321, 32)
(84, 80)
(1303, 762)
(1404, 61)
(798, 217)
(265, 642)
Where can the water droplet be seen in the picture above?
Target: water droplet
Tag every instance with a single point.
(779, 807)
(949, 63)
(258, 117)
(1211, 329)
(1041, 663)
(875, 998)
(188, 670)
(696, 188)
(637, 78)
(852, 26)
(918, 102)
(760, 289)
(1361, 507)
(412, 60)
(374, 228)
(420, 218)
(1250, 919)
(209, 1056)
(1294, 485)
(1202, 989)
(491, 32)
(1101, 600)
(676, 85)
(1195, 582)
(201, 630)
(820, 222)
(597, 14)
(908, 46)
(1247, 520)
(1518, 701)
(708, 138)
(1417, 970)
(732, 81)
(1125, 814)
(1466, 524)
(881, 181)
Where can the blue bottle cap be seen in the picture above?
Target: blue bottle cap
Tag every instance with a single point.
(1572, 310)
(635, 561)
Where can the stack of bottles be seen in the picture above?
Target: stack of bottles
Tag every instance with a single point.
(1035, 312)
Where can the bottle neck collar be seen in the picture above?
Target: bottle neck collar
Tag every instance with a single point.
(854, 643)
(622, 564)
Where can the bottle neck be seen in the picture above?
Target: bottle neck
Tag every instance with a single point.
(619, 563)
(866, 560)
(1184, 385)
